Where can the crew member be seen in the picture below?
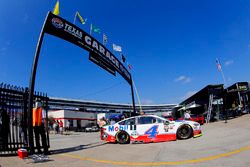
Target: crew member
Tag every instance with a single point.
(39, 123)
(102, 122)
(187, 115)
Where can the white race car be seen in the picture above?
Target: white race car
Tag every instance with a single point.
(149, 128)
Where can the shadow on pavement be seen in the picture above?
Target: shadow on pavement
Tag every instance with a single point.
(77, 148)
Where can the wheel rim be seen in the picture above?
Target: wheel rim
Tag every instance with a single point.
(123, 137)
(184, 132)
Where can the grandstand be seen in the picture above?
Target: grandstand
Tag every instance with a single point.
(82, 114)
(104, 107)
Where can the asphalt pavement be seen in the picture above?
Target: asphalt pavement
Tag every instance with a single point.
(222, 144)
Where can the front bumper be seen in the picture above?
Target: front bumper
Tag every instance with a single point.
(197, 133)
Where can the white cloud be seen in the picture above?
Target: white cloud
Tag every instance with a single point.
(183, 79)
(229, 62)
(147, 101)
(188, 94)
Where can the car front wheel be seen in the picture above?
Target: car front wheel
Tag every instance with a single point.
(184, 132)
(122, 137)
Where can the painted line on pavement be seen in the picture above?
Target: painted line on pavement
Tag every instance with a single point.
(209, 158)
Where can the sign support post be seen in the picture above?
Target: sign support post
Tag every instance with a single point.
(31, 87)
(133, 98)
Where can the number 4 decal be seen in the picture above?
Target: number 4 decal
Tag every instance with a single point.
(152, 132)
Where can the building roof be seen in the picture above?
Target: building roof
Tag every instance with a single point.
(203, 94)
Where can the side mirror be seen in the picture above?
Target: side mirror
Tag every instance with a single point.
(166, 127)
(166, 123)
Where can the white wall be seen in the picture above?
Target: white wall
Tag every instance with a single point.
(64, 115)
(56, 114)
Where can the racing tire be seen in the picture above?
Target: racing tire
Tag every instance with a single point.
(184, 132)
(122, 137)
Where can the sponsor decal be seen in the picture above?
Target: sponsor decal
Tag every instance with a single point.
(134, 134)
(166, 127)
(73, 31)
(56, 22)
(117, 128)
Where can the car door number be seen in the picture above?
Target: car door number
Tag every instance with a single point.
(152, 132)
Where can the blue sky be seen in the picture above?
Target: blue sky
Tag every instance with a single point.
(172, 46)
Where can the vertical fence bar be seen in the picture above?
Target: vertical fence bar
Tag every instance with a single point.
(11, 117)
(16, 123)
(25, 108)
(47, 122)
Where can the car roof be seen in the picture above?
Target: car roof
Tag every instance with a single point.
(155, 116)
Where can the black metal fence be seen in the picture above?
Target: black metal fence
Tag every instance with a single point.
(13, 117)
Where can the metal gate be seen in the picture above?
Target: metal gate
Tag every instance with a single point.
(13, 118)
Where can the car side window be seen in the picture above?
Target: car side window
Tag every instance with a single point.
(130, 121)
(146, 120)
(159, 120)
(122, 123)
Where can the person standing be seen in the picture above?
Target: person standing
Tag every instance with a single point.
(112, 121)
(39, 124)
(239, 109)
(102, 122)
(234, 109)
(142, 112)
(187, 115)
(67, 125)
(61, 127)
(55, 125)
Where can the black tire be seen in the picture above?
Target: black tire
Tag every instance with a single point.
(122, 137)
(184, 132)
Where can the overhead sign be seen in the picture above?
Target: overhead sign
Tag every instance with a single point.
(96, 59)
(61, 28)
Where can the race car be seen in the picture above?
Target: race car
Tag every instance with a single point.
(196, 118)
(149, 128)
